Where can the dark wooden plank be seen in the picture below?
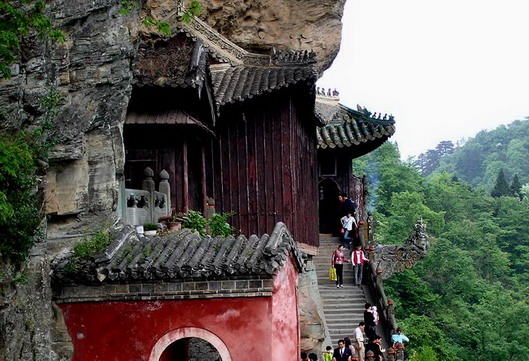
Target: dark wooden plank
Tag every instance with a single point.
(203, 179)
(179, 177)
(260, 170)
(286, 162)
(242, 176)
(268, 169)
(252, 181)
(185, 177)
(277, 149)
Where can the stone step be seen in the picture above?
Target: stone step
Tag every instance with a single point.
(343, 318)
(340, 294)
(345, 323)
(344, 307)
(342, 310)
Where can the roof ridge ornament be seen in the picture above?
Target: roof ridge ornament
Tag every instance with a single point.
(226, 51)
(327, 96)
(293, 57)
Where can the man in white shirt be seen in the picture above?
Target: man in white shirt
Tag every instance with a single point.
(359, 341)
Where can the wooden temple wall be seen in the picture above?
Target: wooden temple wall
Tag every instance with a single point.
(264, 166)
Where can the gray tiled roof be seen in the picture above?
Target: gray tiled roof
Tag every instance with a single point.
(347, 128)
(183, 255)
(242, 82)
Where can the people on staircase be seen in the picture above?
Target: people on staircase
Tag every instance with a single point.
(313, 357)
(358, 258)
(373, 310)
(349, 229)
(337, 261)
(348, 205)
(327, 354)
(398, 340)
(349, 345)
(369, 321)
(359, 341)
(375, 346)
(341, 353)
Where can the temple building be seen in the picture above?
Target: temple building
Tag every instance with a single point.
(210, 123)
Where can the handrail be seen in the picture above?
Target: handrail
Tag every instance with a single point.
(383, 263)
(375, 284)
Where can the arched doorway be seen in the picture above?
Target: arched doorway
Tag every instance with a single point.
(190, 349)
(190, 344)
(329, 207)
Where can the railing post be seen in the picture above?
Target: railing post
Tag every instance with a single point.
(148, 185)
(399, 352)
(391, 354)
(210, 208)
(148, 182)
(165, 188)
(370, 224)
(370, 356)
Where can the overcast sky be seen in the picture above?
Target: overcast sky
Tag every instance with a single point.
(445, 69)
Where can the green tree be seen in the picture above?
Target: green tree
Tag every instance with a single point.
(501, 188)
(516, 187)
(460, 299)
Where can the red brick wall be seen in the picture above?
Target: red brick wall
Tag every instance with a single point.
(128, 331)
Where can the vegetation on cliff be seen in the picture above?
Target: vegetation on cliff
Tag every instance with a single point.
(23, 154)
(469, 296)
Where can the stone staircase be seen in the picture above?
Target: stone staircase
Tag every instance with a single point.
(343, 307)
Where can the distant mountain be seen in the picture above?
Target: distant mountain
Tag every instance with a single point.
(480, 159)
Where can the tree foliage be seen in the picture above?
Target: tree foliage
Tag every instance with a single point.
(22, 154)
(501, 188)
(480, 158)
(429, 161)
(18, 19)
(462, 298)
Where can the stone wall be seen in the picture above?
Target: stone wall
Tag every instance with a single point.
(312, 326)
(177, 290)
(32, 327)
(93, 72)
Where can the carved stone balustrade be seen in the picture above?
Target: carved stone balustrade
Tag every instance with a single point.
(147, 205)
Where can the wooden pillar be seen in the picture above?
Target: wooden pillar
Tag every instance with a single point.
(203, 178)
(185, 177)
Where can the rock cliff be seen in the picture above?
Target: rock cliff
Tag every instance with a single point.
(93, 73)
(259, 25)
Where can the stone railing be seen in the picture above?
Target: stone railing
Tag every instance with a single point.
(147, 205)
(385, 261)
(375, 283)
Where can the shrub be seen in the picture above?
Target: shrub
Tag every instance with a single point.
(219, 226)
(89, 247)
(150, 227)
(194, 220)
(21, 157)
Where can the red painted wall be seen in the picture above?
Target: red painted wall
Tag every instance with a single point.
(127, 331)
(285, 315)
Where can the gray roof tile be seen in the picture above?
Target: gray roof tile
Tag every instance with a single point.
(184, 255)
(345, 128)
(243, 82)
